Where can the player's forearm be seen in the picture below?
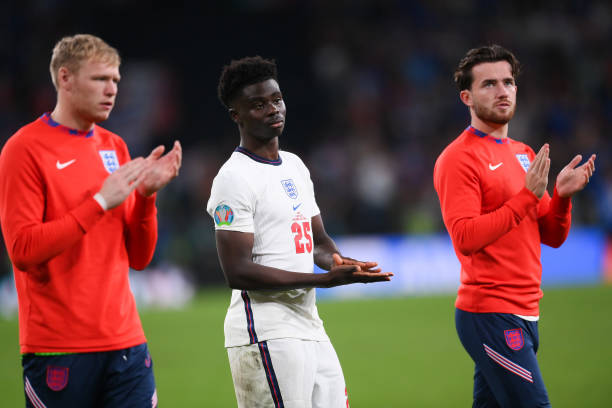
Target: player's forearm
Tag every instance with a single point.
(35, 243)
(140, 244)
(142, 232)
(323, 254)
(471, 234)
(251, 276)
(555, 225)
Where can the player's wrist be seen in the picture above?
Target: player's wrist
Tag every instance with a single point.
(101, 201)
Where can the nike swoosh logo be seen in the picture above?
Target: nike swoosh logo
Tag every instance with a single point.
(295, 207)
(64, 165)
(492, 167)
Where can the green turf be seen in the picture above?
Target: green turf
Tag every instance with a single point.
(400, 352)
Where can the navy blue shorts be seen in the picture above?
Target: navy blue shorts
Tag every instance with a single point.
(503, 347)
(119, 378)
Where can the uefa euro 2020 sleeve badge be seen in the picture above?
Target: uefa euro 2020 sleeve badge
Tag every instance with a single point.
(223, 215)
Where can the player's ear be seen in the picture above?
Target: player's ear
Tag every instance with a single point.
(466, 97)
(233, 114)
(64, 78)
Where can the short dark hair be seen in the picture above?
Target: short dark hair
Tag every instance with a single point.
(490, 53)
(244, 72)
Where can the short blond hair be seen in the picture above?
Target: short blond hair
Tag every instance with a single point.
(70, 52)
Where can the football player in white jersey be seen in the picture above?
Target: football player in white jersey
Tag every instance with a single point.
(269, 235)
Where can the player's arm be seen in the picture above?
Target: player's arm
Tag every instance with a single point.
(158, 171)
(325, 248)
(30, 241)
(555, 224)
(141, 231)
(458, 187)
(235, 250)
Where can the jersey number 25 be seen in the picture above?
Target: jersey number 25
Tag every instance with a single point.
(301, 231)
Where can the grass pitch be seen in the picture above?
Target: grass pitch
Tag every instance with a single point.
(399, 352)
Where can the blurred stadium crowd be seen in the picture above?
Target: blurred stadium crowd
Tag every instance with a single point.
(368, 87)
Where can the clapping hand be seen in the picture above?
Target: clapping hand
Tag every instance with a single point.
(536, 179)
(160, 170)
(348, 270)
(572, 179)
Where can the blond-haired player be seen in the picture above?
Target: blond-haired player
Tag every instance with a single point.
(76, 213)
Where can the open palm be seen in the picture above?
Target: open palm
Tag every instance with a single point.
(572, 179)
(160, 169)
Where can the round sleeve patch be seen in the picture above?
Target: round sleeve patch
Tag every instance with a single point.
(223, 215)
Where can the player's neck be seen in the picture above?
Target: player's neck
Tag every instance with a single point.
(267, 149)
(67, 117)
(496, 130)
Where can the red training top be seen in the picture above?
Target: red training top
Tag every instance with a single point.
(70, 257)
(495, 223)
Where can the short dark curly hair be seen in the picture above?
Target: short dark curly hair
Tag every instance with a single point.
(244, 72)
(489, 53)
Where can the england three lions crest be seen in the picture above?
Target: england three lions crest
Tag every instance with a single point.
(109, 159)
(514, 339)
(290, 188)
(524, 160)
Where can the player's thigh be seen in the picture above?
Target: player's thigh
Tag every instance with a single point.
(250, 377)
(70, 380)
(329, 388)
(273, 373)
(129, 379)
(503, 349)
(483, 395)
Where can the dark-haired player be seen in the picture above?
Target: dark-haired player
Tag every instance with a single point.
(76, 214)
(493, 197)
(269, 232)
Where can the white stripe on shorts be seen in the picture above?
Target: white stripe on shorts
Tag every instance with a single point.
(508, 364)
(32, 395)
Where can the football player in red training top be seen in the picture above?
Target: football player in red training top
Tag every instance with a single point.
(76, 214)
(492, 192)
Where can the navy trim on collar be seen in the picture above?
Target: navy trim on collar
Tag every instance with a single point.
(259, 159)
(471, 129)
(46, 117)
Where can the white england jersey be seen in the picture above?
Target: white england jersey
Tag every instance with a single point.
(275, 201)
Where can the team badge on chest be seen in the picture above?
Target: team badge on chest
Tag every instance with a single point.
(109, 159)
(290, 188)
(524, 160)
(514, 339)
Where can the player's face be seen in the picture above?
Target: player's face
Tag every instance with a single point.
(93, 89)
(260, 110)
(493, 92)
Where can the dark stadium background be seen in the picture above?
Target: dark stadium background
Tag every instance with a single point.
(368, 87)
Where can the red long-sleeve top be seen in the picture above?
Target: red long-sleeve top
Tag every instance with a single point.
(495, 223)
(70, 257)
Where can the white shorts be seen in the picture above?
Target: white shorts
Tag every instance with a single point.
(288, 373)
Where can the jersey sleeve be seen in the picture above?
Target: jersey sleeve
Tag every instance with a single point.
(30, 241)
(457, 183)
(231, 203)
(555, 224)
(140, 219)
